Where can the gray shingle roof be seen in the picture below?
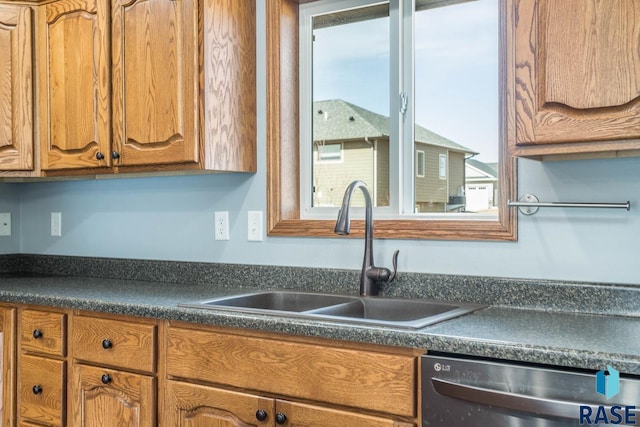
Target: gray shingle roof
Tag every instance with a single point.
(337, 120)
(488, 168)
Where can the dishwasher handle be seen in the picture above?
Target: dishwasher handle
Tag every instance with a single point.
(513, 401)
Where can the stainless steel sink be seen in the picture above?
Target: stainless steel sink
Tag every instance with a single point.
(393, 312)
(273, 301)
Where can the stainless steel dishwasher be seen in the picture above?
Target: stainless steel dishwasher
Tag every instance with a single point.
(487, 393)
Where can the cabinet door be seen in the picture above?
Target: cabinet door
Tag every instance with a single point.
(74, 85)
(7, 366)
(302, 415)
(190, 405)
(155, 81)
(16, 88)
(576, 71)
(106, 398)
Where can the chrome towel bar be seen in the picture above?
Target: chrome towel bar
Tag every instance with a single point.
(529, 204)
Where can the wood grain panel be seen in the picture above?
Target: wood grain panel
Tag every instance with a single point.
(230, 85)
(596, 63)
(48, 406)
(190, 405)
(299, 414)
(369, 380)
(126, 400)
(53, 330)
(8, 368)
(155, 81)
(16, 88)
(576, 73)
(75, 83)
(133, 345)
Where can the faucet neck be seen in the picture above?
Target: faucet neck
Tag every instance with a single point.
(367, 284)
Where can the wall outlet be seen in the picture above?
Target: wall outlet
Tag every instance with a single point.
(254, 226)
(222, 225)
(56, 224)
(5, 224)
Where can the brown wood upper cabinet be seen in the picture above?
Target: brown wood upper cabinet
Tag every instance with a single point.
(16, 88)
(575, 81)
(132, 85)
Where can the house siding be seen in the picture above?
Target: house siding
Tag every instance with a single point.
(456, 173)
(331, 178)
(431, 191)
(382, 173)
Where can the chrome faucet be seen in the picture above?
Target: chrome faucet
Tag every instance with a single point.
(370, 275)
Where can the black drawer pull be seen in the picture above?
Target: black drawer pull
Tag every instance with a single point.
(37, 389)
(107, 344)
(37, 333)
(106, 379)
(261, 415)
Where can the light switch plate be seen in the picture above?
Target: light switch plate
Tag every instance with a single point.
(5, 223)
(254, 226)
(56, 224)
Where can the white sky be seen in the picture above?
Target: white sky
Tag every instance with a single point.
(456, 70)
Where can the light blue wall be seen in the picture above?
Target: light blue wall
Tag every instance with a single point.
(172, 218)
(10, 202)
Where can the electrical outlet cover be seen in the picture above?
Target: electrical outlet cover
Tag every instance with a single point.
(221, 231)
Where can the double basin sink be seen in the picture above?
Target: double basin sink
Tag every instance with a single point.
(374, 311)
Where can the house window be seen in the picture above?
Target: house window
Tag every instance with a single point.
(357, 87)
(440, 80)
(442, 166)
(420, 163)
(329, 152)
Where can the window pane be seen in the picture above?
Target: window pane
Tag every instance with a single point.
(351, 104)
(456, 105)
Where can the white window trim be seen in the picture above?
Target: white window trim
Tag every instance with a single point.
(338, 159)
(443, 162)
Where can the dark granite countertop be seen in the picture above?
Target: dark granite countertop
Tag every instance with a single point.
(570, 339)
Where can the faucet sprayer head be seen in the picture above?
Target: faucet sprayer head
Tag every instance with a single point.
(343, 225)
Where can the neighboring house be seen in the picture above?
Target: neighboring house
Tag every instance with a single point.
(351, 143)
(481, 188)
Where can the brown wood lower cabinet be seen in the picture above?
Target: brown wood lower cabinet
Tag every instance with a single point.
(191, 405)
(107, 397)
(88, 369)
(220, 378)
(41, 386)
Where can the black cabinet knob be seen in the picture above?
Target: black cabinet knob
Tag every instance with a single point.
(37, 389)
(261, 415)
(115, 155)
(37, 333)
(281, 418)
(106, 379)
(107, 344)
(99, 155)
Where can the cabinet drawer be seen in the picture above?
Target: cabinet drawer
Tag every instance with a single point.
(114, 343)
(363, 379)
(43, 332)
(41, 389)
